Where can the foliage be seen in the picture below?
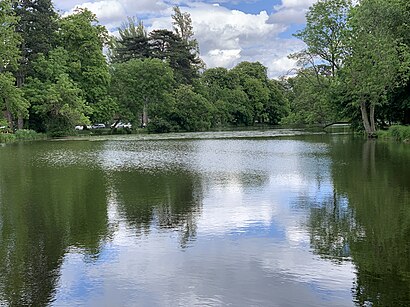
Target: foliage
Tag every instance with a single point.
(309, 104)
(56, 99)
(325, 34)
(373, 49)
(191, 112)
(83, 39)
(356, 65)
(21, 135)
(9, 39)
(399, 133)
(37, 26)
(133, 42)
(140, 84)
(11, 97)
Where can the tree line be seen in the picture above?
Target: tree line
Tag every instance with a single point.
(356, 65)
(54, 75)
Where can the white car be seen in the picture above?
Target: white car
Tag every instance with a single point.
(121, 125)
(98, 126)
(79, 127)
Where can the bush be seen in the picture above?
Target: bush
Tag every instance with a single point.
(160, 125)
(7, 137)
(21, 135)
(400, 133)
(28, 135)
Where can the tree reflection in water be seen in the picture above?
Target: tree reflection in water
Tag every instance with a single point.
(368, 220)
(170, 200)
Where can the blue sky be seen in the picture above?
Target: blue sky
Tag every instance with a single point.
(228, 31)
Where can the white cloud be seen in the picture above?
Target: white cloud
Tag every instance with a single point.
(222, 58)
(291, 11)
(226, 37)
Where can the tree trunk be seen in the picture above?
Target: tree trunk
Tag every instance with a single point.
(144, 115)
(19, 84)
(20, 122)
(369, 126)
(372, 121)
(9, 118)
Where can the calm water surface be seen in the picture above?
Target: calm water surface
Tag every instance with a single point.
(215, 219)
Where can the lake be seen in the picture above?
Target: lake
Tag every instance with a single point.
(261, 218)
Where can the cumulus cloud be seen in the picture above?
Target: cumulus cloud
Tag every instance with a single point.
(113, 12)
(291, 12)
(226, 37)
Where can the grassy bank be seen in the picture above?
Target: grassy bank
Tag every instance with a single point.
(398, 133)
(21, 135)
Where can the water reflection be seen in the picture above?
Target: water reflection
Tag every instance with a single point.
(367, 221)
(44, 211)
(303, 221)
(380, 246)
(168, 200)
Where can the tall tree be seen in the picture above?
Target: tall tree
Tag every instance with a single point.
(84, 39)
(168, 46)
(57, 100)
(133, 42)
(12, 102)
(140, 84)
(378, 60)
(325, 32)
(9, 39)
(182, 26)
(37, 26)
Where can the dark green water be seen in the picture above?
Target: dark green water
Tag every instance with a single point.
(216, 219)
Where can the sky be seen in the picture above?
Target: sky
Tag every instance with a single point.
(228, 31)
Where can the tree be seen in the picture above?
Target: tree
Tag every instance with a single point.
(253, 80)
(37, 26)
(12, 102)
(325, 33)
(84, 39)
(277, 106)
(378, 60)
(57, 100)
(167, 46)
(310, 104)
(11, 99)
(182, 25)
(9, 39)
(191, 112)
(140, 84)
(133, 42)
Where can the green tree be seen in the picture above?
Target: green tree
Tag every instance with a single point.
(57, 100)
(133, 42)
(379, 61)
(325, 34)
(277, 106)
(84, 39)
(12, 102)
(182, 25)
(253, 80)
(168, 46)
(9, 39)
(310, 104)
(191, 112)
(140, 84)
(11, 99)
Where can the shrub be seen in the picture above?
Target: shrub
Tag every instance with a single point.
(160, 125)
(7, 137)
(28, 135)
(400, 133)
